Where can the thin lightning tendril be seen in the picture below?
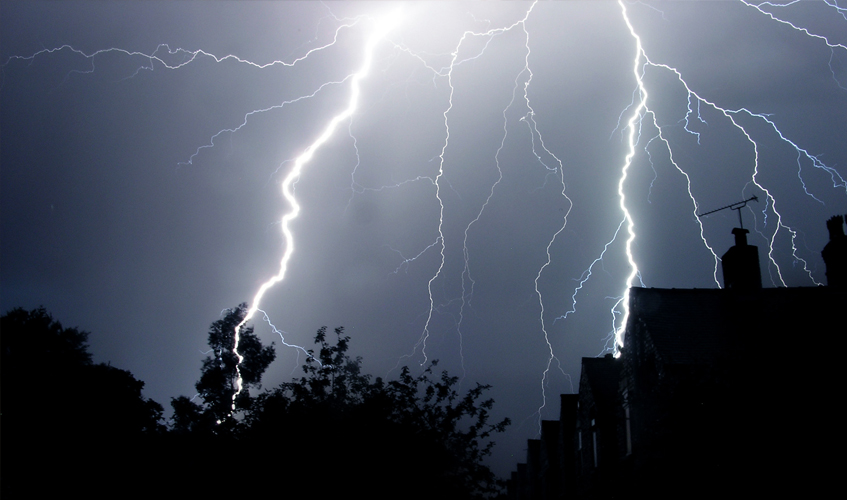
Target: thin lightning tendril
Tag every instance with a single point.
(448, 73)
(533, 126)
(282, 334)
(468, 283)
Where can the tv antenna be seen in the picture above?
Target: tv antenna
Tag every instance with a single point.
(735, 206)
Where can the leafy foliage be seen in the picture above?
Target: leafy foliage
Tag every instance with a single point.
(333, 431)
(39, 354)
(35, 337)
(64, 414)
(217, 383)
(422, 437)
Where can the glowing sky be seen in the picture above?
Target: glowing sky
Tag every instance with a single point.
(464, 202)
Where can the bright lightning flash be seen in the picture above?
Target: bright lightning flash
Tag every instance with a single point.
(381, 28)
(641, 110)
(636, 123)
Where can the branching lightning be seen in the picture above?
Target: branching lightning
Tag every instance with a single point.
(448, 73)
(383, 27)
(641, 63)
(646, 137)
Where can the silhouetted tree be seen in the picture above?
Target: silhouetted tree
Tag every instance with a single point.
(47, 376)
(32, 338)
(416, 437)
(62, 413)
(217, 383)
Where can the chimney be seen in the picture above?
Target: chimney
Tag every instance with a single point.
(741, 264)
(835, 253)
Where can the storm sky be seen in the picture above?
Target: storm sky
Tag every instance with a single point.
(461, 206)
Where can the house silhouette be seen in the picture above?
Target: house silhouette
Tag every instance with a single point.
(717, 392)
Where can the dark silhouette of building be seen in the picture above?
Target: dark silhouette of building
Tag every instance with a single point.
(596, 428)
(717, 392)
(835, 253)
(549, 456)
(741, 264)
(567, 445)
(518, 484)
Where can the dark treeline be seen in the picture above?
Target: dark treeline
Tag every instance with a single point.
(70, 426)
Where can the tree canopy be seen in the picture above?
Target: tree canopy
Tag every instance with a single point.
(332, 431)
(47, 372)
(416, 434)
(336, 430)
(219, 373)
(63, 413)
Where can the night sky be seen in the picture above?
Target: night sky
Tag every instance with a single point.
(459, 209)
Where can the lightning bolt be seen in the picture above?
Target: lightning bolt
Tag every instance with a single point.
(178, 57)
(282, 334)
(640, 107)
(533, 126)
(448, 73)
(641, 110)
(382, 28)
(643, 127)
(522, 78)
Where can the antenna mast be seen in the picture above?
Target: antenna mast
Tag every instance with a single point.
(735, 206)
